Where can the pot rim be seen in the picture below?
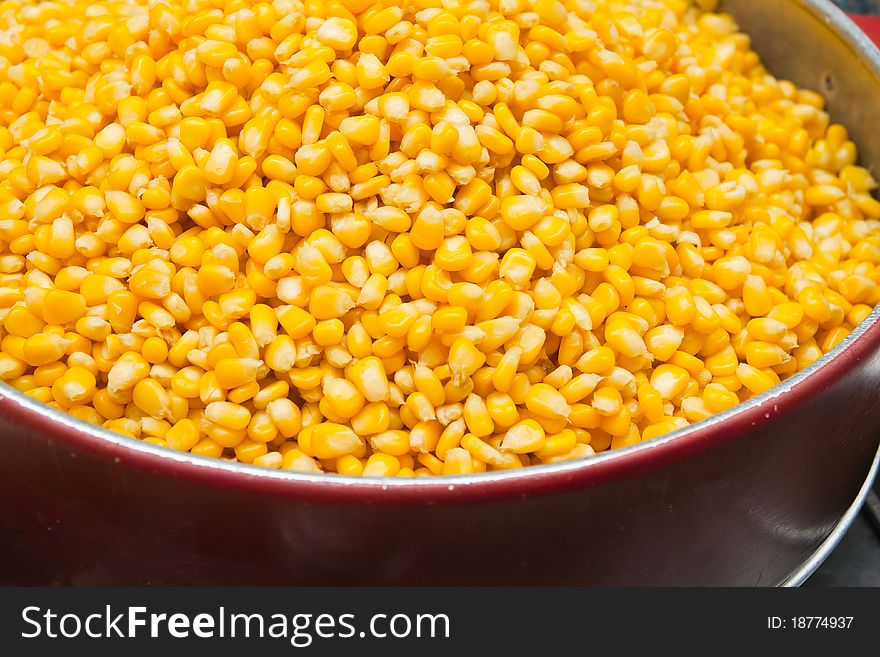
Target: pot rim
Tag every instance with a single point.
(803, 572)
(87, 439)
(727, 426)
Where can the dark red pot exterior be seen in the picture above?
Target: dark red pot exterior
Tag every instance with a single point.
(742, 501)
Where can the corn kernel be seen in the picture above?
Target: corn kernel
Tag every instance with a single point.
(385, 243)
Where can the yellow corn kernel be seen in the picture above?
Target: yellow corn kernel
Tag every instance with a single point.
(229, 415)
(521, 212)
(297, 461)
(329, 302)
(44, 348)
(756, 296)
(481, 237)
(524, 437)
(368, 374)
(338, 33)
(76, 386)
(718, 398)
(476, 416)
(234, 372)
(330, 440)
(753, 378)
(484, 452)
(183, 435)
(458, 461)
(546, 401)
(151, 398)
(669, 380)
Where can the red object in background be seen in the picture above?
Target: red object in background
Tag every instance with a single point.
(871, 26)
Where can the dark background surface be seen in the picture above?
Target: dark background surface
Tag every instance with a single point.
(860, 6)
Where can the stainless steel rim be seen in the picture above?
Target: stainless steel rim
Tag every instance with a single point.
(445, 481)
(803, 572)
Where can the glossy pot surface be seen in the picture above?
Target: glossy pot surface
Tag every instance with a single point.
(740, 499)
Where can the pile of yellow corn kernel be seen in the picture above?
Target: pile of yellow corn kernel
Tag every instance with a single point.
(395, 237)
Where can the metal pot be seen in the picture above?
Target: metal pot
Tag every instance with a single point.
(744, 498)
